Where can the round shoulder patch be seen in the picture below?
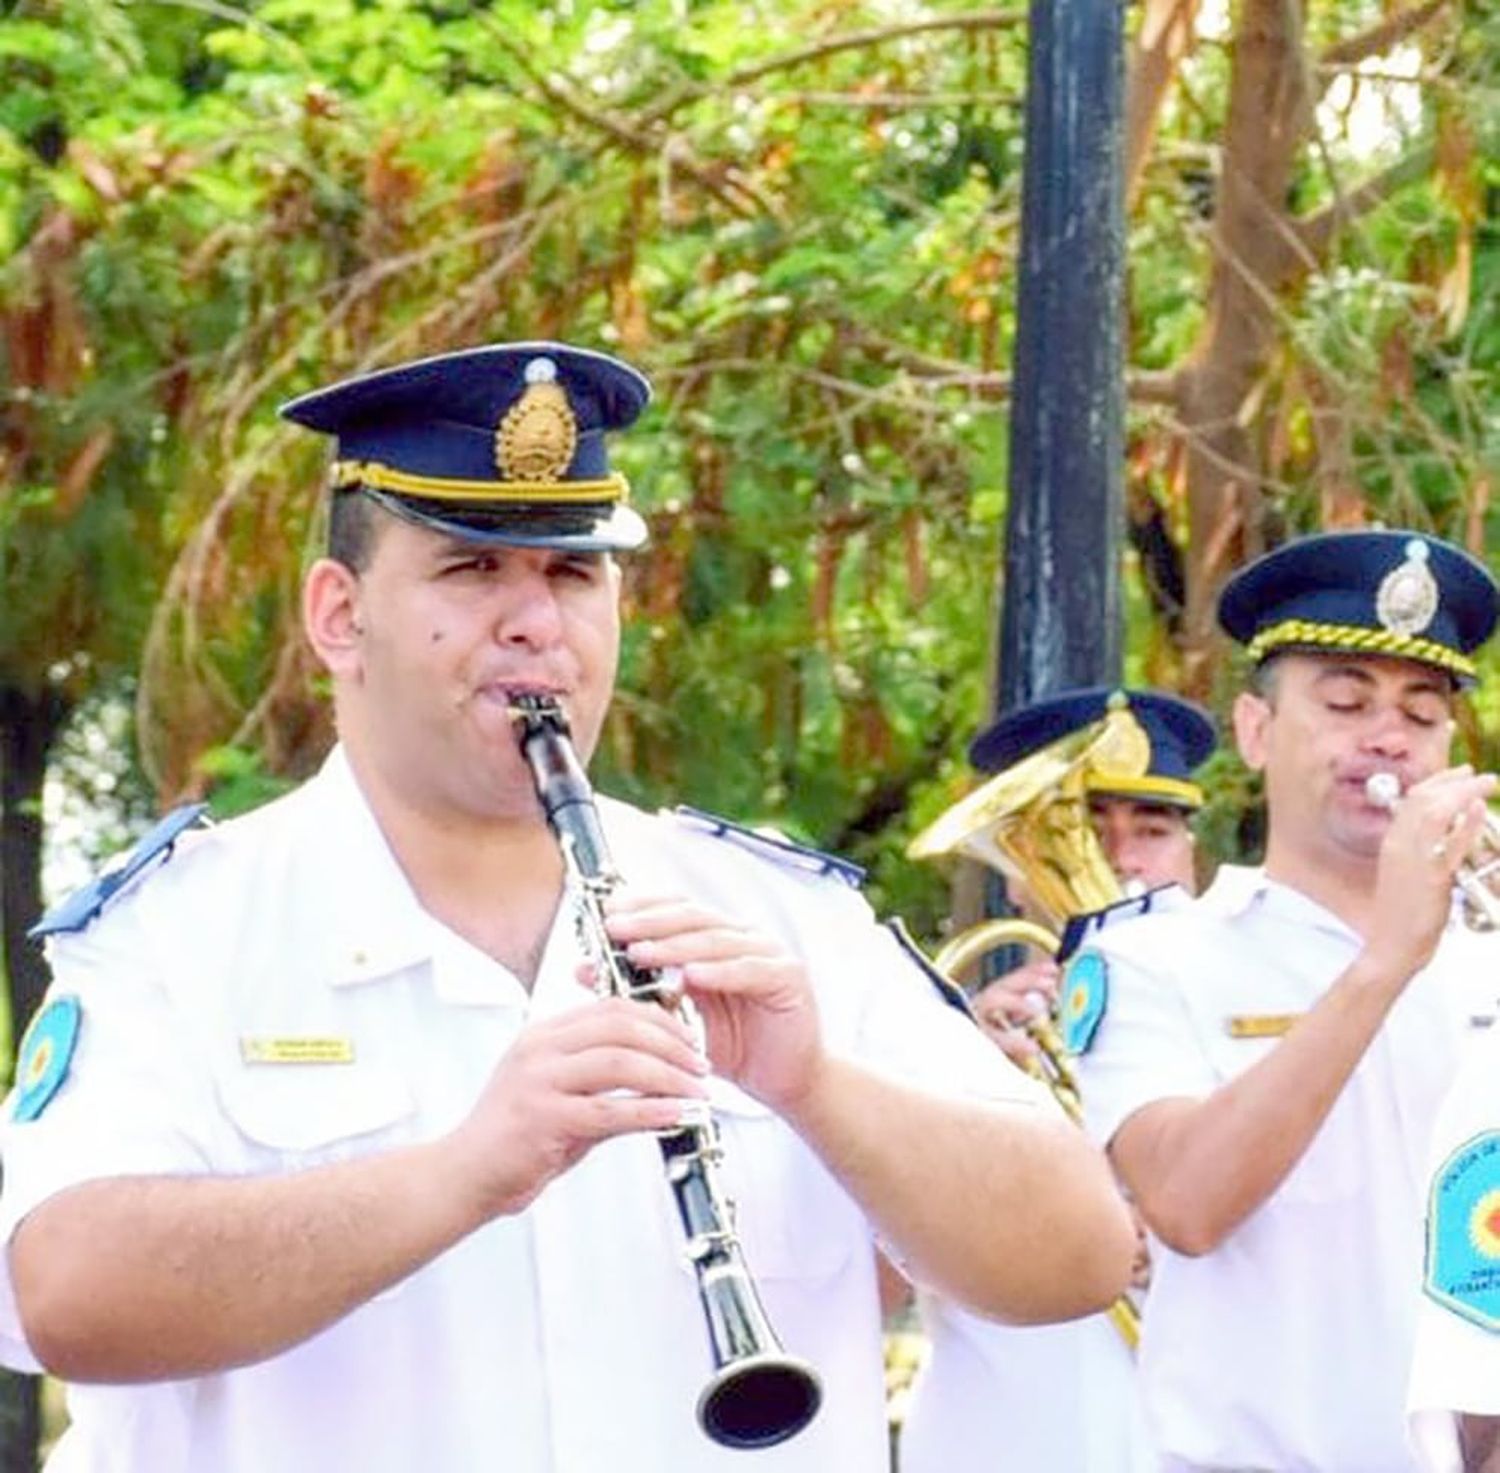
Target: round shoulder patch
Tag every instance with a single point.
(1085, 995)
(1463, 1232)
(46, 1053)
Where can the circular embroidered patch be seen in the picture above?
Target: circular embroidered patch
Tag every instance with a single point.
(46, 1053)
(1085, 994)
(1463, 1232)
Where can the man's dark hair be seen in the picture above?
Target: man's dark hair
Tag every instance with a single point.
(1264, 679)
(352, 525)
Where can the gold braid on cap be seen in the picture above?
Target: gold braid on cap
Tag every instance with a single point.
(1146, 789)
(1356, 640)
(372, 473)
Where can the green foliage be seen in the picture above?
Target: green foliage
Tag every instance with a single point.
(238, 781)
(807, 243)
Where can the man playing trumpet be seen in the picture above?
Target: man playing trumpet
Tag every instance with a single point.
(1267, 1070)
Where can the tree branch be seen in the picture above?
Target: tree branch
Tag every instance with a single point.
(895, 100)
(1166, 36)
(1316, 232)
(1142, 386)
(978, 20)
(1379, 38)
(739, 194)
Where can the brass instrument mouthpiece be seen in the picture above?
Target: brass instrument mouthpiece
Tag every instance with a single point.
(1383, 789)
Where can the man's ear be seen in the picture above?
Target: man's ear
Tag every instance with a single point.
(331, 615)
(1252, 728)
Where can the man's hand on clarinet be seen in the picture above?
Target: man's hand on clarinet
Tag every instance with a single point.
(568, 1082)
(759, 1015)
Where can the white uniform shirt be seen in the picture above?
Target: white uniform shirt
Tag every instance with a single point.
(1034, 1399)
(1287, 1347)
(1025, 1399)
(1456, 1363)
(567, 1339)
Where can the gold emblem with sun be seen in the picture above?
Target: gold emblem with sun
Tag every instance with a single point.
(1484, 1224)
(536, 440)
(39, 1062)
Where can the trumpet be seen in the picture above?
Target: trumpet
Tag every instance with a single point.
(758, 1395)
(1476, 875)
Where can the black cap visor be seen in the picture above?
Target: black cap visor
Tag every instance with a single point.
(576, 527)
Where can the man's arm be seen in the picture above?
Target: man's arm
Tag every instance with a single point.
(150, 1278)
(1007, 1209)
(144, 1278)
(1479, 1437)
(1199, 1168)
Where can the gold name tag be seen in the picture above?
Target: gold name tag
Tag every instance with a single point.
(1260, 1025)
(297, 1050)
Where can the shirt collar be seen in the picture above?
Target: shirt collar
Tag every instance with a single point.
(1237, 889)
(375, 924)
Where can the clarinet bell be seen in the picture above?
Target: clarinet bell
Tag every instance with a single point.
(759, 1395)
(759, 1401)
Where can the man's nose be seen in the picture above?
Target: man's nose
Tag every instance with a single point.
(1116, 849)
(1386, 732)
(529, 614)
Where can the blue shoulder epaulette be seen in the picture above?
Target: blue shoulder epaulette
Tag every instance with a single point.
(775, 847)
(1081, 927)
(945, 987)
(81, 907)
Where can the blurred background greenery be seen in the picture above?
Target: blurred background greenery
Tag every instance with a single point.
(800, 219)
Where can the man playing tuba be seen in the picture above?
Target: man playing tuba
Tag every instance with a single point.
(1063, 1397)
(1143, 822)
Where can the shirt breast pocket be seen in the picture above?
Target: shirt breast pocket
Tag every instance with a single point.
(792, 1218)
(1328, 1168)
(1230, 1056)
(291, 1116)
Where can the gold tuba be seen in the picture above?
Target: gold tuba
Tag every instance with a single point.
(1031, 823)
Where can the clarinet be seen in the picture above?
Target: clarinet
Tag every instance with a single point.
(758, 1395)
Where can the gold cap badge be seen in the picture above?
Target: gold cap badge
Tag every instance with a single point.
(536, 440)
